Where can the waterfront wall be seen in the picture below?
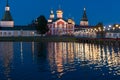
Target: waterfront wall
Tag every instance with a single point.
(16, 33)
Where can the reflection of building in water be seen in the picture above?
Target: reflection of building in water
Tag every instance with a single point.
(6, 51)
(60, 54)
(33, 50)
(97, 54)
(67, 53)
(21, 51)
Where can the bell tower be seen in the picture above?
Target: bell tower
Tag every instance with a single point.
(7, 8)
(51, 14)
(7, 20)
(84, 20)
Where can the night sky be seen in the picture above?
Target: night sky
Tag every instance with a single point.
(24, 11)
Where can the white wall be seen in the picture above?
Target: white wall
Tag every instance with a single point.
(112, 35)
(16, 33)
(84, 23)
(7, 23)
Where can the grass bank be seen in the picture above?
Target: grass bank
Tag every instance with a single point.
(38, 39)
(61, 39)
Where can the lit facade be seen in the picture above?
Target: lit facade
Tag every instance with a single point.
(113, 31)
(60, 26)
(7, 23)
(18, 31)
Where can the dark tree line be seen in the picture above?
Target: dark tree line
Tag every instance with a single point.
(41, 25)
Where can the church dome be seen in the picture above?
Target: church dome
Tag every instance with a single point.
(59, 11)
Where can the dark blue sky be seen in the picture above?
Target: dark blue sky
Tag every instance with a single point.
(24, 11)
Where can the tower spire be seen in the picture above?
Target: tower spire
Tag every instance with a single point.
(7, 20)
(7, 15)
(84, 20)
(59, 7)
(7, 8)
(6, 2)
(84, 9)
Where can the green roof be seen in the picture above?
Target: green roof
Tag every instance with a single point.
(7, 16)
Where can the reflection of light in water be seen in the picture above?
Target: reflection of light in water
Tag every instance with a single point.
(64, 56)
(33, 50)
(21, 51)
(59, 55)
(6, 50)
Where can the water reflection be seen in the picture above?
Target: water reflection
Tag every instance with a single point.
(41, 49)
(6, 56)
(66, 56)
(21, 51)
(58, 61)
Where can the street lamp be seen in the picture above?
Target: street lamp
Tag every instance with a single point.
(110, 26)
(117, 25)
(113, 28)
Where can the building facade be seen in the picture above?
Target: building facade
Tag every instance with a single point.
(17, 31)
(113, 31)
(59, 25)
(7, 28)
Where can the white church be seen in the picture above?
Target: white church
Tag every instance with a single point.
(57, 26)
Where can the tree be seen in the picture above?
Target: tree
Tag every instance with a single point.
(100, 25)
(100, 28)
(41, 26)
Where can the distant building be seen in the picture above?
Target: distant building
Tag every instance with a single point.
(113, 32)
(85, 30)
(7, 20)
(84, 20)
(59, 25)
(17, 31)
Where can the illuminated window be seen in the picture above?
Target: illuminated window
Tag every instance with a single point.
(60, 25)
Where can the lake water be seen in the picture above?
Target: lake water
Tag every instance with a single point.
(58, 61)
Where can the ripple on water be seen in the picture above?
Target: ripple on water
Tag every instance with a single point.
(60, 61)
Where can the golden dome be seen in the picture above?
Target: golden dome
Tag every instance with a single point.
(71, 21)
(59, 11)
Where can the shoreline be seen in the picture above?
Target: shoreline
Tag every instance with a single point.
(39, 38)
(104, 41)
(109, 41)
